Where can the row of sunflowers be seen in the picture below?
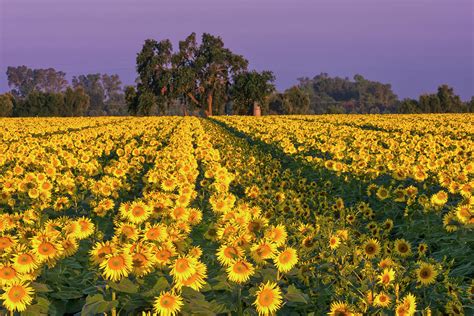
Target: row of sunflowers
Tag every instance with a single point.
(168, 216)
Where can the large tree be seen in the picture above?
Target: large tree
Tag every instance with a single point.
(198, 74)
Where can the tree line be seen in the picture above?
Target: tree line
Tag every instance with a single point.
(46, 92)
(205, 78)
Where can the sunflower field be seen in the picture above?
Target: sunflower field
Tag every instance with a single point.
(276, 215)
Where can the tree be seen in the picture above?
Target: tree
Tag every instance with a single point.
(409, 106)
(92, 85)
(6, 104)
(200, 74)
(249, 88)
(450, 102)
(76, 102)
(296, 101)
(25, 80)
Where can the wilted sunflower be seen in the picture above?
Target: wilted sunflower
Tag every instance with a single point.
(168, 304)
(268, 299)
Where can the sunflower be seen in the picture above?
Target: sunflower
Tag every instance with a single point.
(116, 266)
(286, 259)
(240, 271)
(382, 300)
(138, 212)
(17, 296)
(164, 253)
(268, 299)
(6, 242)
(86, 228)
(387, 276)
(426, 273)
(439, 199)
(371, 248)
(155, 232)
(100, 251)
(334, 242)
(197, 280)
(382, 193)
(228, 254)
(183, 268)
(142, 261)
(402, 247)
(168, 304)
(8, 274)
(422, 248)
(262, 251)
(339, 308)
(46, 249)
(24, 262)
(277, 235)
(407, 306)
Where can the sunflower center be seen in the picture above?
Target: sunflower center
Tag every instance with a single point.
(167, 301)
(5, 242)
(425, 273)
(25, 258)
(182, 265)
(46, 249)
(138, 211)
(266, 297)
(285, 257)
(116, 263)
(240, 267)
(230, 252)
(16, 293)
(7, 273)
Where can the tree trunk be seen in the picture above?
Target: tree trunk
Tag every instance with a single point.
(209, 104)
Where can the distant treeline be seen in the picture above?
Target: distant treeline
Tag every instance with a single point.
(46, 92)
(205, 78)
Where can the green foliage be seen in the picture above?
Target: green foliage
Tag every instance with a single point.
(195, 74)
(6, 104)
(249, 88)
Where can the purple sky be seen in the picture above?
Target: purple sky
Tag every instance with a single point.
(413, 44)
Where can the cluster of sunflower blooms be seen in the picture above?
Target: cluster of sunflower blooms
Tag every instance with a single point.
(26, 248)
(416, 163)
(247, 242)
(149, 233)
(396, 275)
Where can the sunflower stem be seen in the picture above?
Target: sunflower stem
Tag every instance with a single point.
(114, 297)
(239, 298)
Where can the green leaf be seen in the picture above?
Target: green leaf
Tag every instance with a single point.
(41, 287)
(160, 285)
(40, 308)
(125, 286)
(295, 295)
(96, 304)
